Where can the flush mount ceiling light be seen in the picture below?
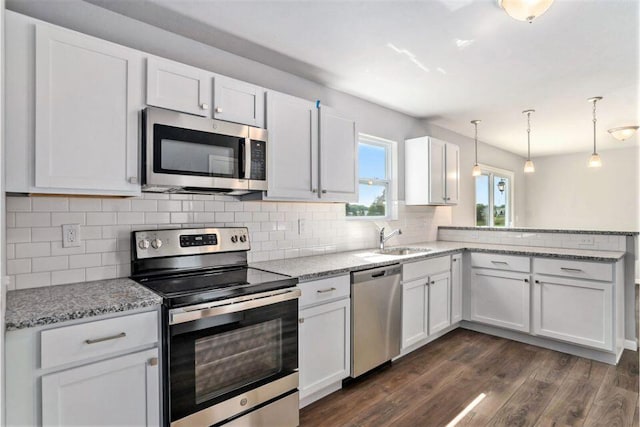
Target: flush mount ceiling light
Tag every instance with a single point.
(525, 10)
(623, 132)
(528, 165)
(476, 168)
(594, 160)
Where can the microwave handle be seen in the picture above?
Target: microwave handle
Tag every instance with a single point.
(245, 172)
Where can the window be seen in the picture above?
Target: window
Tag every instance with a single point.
(494, 198)
(377, 183)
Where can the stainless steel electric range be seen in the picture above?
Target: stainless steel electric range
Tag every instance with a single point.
(230, 332)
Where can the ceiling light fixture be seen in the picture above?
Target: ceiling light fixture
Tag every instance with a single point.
(476, 168)
(528, 165)
(594, 160)
(623, 132)
(525, 10)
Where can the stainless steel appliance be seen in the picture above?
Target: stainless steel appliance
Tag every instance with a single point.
(189, 154)
(230, 332)
(375, 317)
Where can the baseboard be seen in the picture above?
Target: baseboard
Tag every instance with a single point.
(631, 345)
(307, 400)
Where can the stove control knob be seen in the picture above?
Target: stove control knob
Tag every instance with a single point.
(234, 239)
(144, 244)
(156, 243)
(243, 238)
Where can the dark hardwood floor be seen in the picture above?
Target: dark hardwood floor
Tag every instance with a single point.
(524, 386)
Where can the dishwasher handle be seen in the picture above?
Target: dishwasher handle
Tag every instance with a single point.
(375, 273)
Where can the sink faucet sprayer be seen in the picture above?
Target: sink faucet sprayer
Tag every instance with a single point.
(384, 238)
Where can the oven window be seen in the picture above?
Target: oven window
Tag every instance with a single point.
(228, 360)
(190, 152)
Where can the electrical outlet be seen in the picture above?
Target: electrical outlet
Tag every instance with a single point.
(302, 226)
(70, 235)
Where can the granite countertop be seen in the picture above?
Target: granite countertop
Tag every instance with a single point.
(313, 267)
(541, 230)
(27, 308)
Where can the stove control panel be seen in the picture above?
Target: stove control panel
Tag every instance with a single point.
(185, 241)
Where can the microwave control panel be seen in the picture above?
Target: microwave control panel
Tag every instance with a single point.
(258, 160)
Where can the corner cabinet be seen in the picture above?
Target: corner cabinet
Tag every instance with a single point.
(75, 127)
(312, 152)
(432, 170)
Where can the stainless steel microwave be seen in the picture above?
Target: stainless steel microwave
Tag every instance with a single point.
(183, 153)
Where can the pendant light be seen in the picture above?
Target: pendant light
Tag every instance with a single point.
(525, 10)
(594, 160)
(528, 165)
(623, 132)
(476, 168)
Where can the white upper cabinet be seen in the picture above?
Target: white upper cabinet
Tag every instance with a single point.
(338, 157)
(237, 101)
(292, 124)
(178, 87)
(87, 112)
(432, 169)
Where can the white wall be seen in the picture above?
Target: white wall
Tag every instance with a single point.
(464, 213)
(565, 193)
(3, 287)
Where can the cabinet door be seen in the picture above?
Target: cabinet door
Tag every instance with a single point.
(415, 305)
(456, 288)
(577, 311)
(500, 298)
(120, 391)
(88, 100)
(292, 124)
(325, 355)
(237, 101)
(437, 149)
(178, 87)
(338, 157)
(452, 174)
(439, 302)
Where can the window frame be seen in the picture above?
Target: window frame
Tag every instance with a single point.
(391, 182)
(492, 172)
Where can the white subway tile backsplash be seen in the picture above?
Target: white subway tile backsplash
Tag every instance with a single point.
(67, 276)
(181, 217)
(33, 250)
(19, 266)
(57, 249)
(101, 218)
(81, 204)
(33, 280)
(19, 204)
(46, 234)
(85, 260)
(169, 206)
(130, 218)
(58, 218)
(144, 205)
(18, 235)
(101, 245)
(11, 251)
(35, 219)
(101, 273)
(116, 205)
(49, 204)
(225, 216)
(50, 263)
(157, 218)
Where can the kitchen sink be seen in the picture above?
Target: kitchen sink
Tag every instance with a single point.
(403, 251)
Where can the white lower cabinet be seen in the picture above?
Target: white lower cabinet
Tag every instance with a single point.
(415, 306)
(118, 391)
(439, 302)
(456, 288)
(500, 298)
(324, 336)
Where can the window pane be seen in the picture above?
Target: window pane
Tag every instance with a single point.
(372, 161)
(500, 201)
(372, 201)
(482, 200)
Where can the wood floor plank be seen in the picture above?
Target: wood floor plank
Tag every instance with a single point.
(571, 404)
(554, 367)
(612, 407)
(526, 405)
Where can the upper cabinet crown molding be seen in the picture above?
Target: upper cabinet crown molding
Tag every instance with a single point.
(432, 170)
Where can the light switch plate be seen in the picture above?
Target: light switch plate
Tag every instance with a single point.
(70, 235)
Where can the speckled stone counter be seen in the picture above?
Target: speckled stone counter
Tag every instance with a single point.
(542, 230)
(28, 308)
(310, 268)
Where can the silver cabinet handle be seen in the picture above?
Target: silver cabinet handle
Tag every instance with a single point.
(301, 320)
(526, 280)
(112, 337)
(324, 291)
(153, 361)
(433, 283)
(204, 106)
(537, 281)
(500, 262)
(575, 270)
(324, 191)
(133, 180)
(315, 190)
(218, 109)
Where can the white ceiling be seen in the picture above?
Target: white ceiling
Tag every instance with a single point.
(451, 61)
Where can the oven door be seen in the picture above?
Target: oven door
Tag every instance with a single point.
(185, 151)
(245, 349)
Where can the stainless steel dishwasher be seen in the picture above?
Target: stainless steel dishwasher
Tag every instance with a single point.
(375, 317)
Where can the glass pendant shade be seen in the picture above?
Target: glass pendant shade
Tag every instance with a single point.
(594, 161)
(529, 167)
(476, 170)
(525, 10)
(623, 132)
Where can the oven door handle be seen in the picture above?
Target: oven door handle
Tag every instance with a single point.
(182, 315)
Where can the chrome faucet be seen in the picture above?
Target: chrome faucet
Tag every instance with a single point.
(384, 238)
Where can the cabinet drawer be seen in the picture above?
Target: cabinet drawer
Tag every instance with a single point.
(92, 339)
(576, 269)
(415, 270)
(323, 290)
(500, 262)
